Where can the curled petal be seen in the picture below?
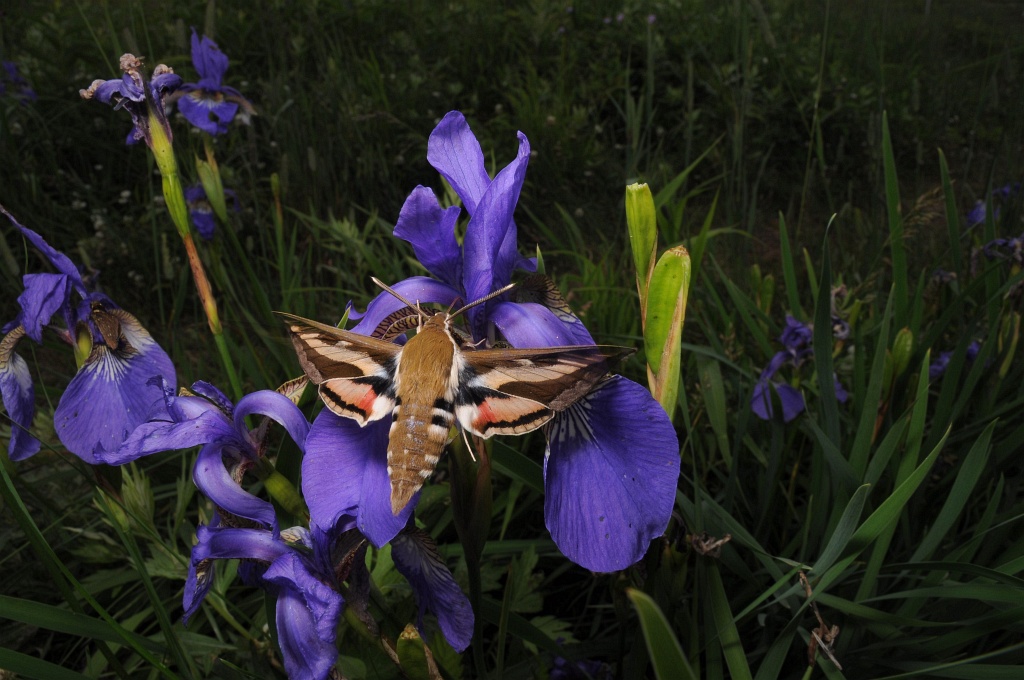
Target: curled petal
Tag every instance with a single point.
(214, 395)
(163, 435)
(217, 484)
(306, 655)
(58, 259)
(431, 231)
(528, 324)
(416, 558)
(216, 543)
(610, 476)
(291, 574)
(277, 407)
(345, 472)
(18, 397)
(414, 289)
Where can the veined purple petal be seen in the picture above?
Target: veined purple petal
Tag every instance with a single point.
(215, 481)
(18, 397)
(431, 231)
(43, 296)
(213, 394)
(435, 588)
(610, 476)
(110, 395)
(528, 324)
(489, 256)
(414, 289)
(207, 112)
(277, 407)
(161, 435)
(344, 472)
(210, 62)
(455, 153)
(306, 655)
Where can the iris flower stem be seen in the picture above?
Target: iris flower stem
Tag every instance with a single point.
(174, 196)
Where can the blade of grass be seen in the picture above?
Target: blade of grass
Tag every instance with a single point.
(667, 655)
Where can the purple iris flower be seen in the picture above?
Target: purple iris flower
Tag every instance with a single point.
(208, 104)
(612, 460)
(14, 85)
(796, 338)
(140, 98)
(1010, 249)
(939, 366)
(110, 394)
(201, 211)
(301, 566)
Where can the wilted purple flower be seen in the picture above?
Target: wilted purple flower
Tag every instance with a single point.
(613, 457)
(1010, 249)
(13, 84)
(209, 104)
(110, 394)
(143, 100)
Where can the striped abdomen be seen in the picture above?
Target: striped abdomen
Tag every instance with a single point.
(426, 382)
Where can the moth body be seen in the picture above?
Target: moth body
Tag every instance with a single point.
(426, 382)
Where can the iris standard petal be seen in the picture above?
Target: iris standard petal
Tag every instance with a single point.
(436, 591)
(210, 62)
(610, 476)
(414, 289)
(277, 407)
(490, 243)
(109, 396)
(212, 477)
(454, 152)
(529, 324)
(431, 231)
(791, 399)
(18, 397)
(43, 296)
(344, 472)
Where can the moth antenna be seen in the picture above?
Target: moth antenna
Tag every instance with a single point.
(400, 297)
(484, 299)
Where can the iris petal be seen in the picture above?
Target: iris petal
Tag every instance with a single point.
(528, 324)
(276, 407)
(431, 231)
(43, 296)
(610, 476)
(306, 655)
(212, 477)
(160, 435)
(109, 396)
(455, 153)
(344, 472)
(18, 397)
(436, 590)
(414, 289)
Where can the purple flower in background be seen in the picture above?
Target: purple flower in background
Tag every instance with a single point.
(110, 394)
(209, 104)
(613, 457)
(941, 363)
(1009, 249)
(201, 211)
(13, 84)
(143, 100)
(976, 215)
(796, 338)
